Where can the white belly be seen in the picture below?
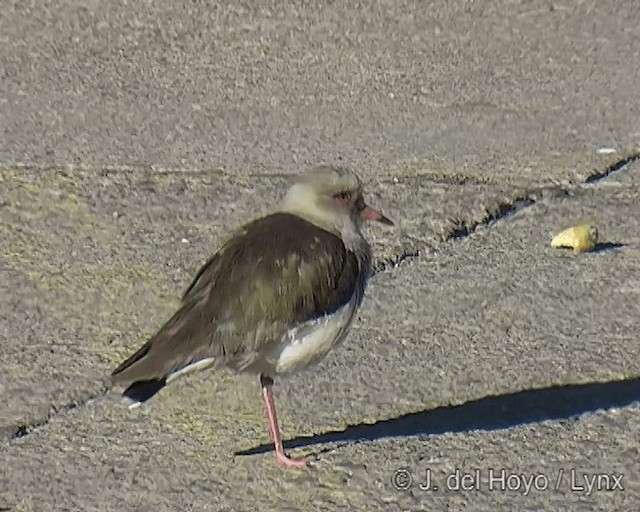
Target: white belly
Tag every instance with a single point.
(310, 342)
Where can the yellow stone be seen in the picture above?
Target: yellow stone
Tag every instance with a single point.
(581, 238)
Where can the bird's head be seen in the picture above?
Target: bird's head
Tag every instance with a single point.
(332, 198)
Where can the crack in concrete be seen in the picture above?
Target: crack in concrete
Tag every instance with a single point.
(461, 229)
(612, 169)
(25, 429)
(499, 211)
(532, 196)
(392, 262)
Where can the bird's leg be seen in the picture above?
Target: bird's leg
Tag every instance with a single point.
(274, 430)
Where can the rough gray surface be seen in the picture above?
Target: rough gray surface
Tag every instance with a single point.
(473, 86)
(134, 136)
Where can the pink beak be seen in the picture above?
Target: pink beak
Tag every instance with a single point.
(369, 213)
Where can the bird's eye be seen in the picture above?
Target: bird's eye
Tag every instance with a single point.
(343, 196)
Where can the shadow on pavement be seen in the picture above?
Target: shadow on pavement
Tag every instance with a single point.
(491, 413)
(608, 246)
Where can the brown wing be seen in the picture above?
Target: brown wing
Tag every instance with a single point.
(277, 272)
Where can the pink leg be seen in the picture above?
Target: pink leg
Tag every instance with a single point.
(274, 430)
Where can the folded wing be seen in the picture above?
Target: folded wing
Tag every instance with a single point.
(276, 273)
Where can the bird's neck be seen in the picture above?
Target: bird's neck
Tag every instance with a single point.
(343, 227)
(352, 236)
(300, 202)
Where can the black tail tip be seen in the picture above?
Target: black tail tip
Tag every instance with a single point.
(143, 390)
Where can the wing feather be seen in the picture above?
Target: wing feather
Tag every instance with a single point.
(278, 272)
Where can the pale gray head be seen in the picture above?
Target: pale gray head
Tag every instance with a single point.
(332, 198)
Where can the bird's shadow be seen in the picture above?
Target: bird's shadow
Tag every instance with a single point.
(491, 413)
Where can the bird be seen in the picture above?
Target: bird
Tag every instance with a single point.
(275, 298)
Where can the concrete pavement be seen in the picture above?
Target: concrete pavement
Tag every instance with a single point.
(134, 136)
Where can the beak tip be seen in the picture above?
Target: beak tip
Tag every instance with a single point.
(369, 213)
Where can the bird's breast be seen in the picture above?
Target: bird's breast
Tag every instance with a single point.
(308, 343)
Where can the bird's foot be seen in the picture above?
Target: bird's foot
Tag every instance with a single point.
(288, 462)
